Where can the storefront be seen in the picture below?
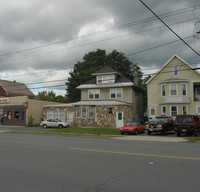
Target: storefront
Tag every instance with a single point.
(20, 110)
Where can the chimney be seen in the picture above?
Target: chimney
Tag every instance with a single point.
(135, 74)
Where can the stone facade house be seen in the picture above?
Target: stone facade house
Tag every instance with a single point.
(174, 89)
(107, 100)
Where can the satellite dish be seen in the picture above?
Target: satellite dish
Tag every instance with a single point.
(196, 31)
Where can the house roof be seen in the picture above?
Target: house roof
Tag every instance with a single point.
(89, 103)
(175, 56)
(120, 80)
(15, 88)
(105, 70)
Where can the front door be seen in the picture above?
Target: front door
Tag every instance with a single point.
(119, 119)
(70, 117)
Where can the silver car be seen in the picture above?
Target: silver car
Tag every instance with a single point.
(54, 123)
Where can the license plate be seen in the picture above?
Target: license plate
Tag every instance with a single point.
(184, 130)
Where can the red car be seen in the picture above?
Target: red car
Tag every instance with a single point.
(132, 127)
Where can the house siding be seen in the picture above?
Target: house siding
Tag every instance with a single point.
(186, 76)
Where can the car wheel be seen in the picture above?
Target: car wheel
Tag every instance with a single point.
(122, 133)
(44, 126)
(178, 134)
(149, 132)
(60, 126)
(136, 132)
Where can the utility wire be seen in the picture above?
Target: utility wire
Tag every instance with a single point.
(170, 29)
(188, 9)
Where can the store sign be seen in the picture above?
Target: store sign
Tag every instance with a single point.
(4, 100)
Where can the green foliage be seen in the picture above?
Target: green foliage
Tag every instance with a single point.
(94, 61)
(47, 95)
(30, 121)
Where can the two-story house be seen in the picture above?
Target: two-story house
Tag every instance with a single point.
(174, 89)
(107, 100)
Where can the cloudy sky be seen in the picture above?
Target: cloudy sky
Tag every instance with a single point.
(41, 40)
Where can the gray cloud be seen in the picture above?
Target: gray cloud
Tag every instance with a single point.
(32, 24)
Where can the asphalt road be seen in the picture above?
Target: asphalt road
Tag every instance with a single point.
(37, 163)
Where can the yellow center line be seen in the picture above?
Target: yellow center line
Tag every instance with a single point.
(137, 154)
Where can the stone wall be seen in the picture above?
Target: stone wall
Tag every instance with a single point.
(103, 118)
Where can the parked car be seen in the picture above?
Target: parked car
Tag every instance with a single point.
(54, 123)
(132, 127)
(161, 124)
(187, 124)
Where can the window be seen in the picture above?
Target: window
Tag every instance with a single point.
(83, 112)
(116, 93)
(163, 110)
(173, 90)
(153, 111)
(53, 114)
(198, 110)
(185, 110)
(184, 89)
(94, 93)
(175, 71)
(163, 90)
(174, 111)
(110, 110)
(105, 79)
(91, 112)
(16, 115)
(78, 112)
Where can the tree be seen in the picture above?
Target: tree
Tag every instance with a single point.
(94, 61)
(47, 95)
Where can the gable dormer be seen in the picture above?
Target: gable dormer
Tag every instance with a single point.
(106, 75)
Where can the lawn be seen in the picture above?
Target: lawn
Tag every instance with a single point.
(84, 131)
(104, 132)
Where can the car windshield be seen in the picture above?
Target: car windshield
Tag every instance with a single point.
(184, 119)
(160, 119)
(132, 124)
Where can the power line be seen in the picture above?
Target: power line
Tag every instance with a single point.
(188, 9)
(170, 29)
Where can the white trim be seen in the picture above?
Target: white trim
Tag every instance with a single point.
(186, 109)
(88, 86)
(170, 89)
(162, 90)
(185, 88)
(165, 110)
(171, 110)
(94, 93)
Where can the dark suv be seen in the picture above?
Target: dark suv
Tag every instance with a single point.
(160, 124)
(188, 124)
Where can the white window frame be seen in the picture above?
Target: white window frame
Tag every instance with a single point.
(173, 90)
(101, 79)
(184, 84)
(163, 88)
(186, 107)
(84, 112)
(162, 111)
(176, 70)
(91, 112)
(93, 93)
(78, 112)
(153, 108)
(116, 92)
(172, 111)
(56, 114)
(198, 109)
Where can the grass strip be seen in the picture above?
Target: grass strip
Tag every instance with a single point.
(76, 131)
